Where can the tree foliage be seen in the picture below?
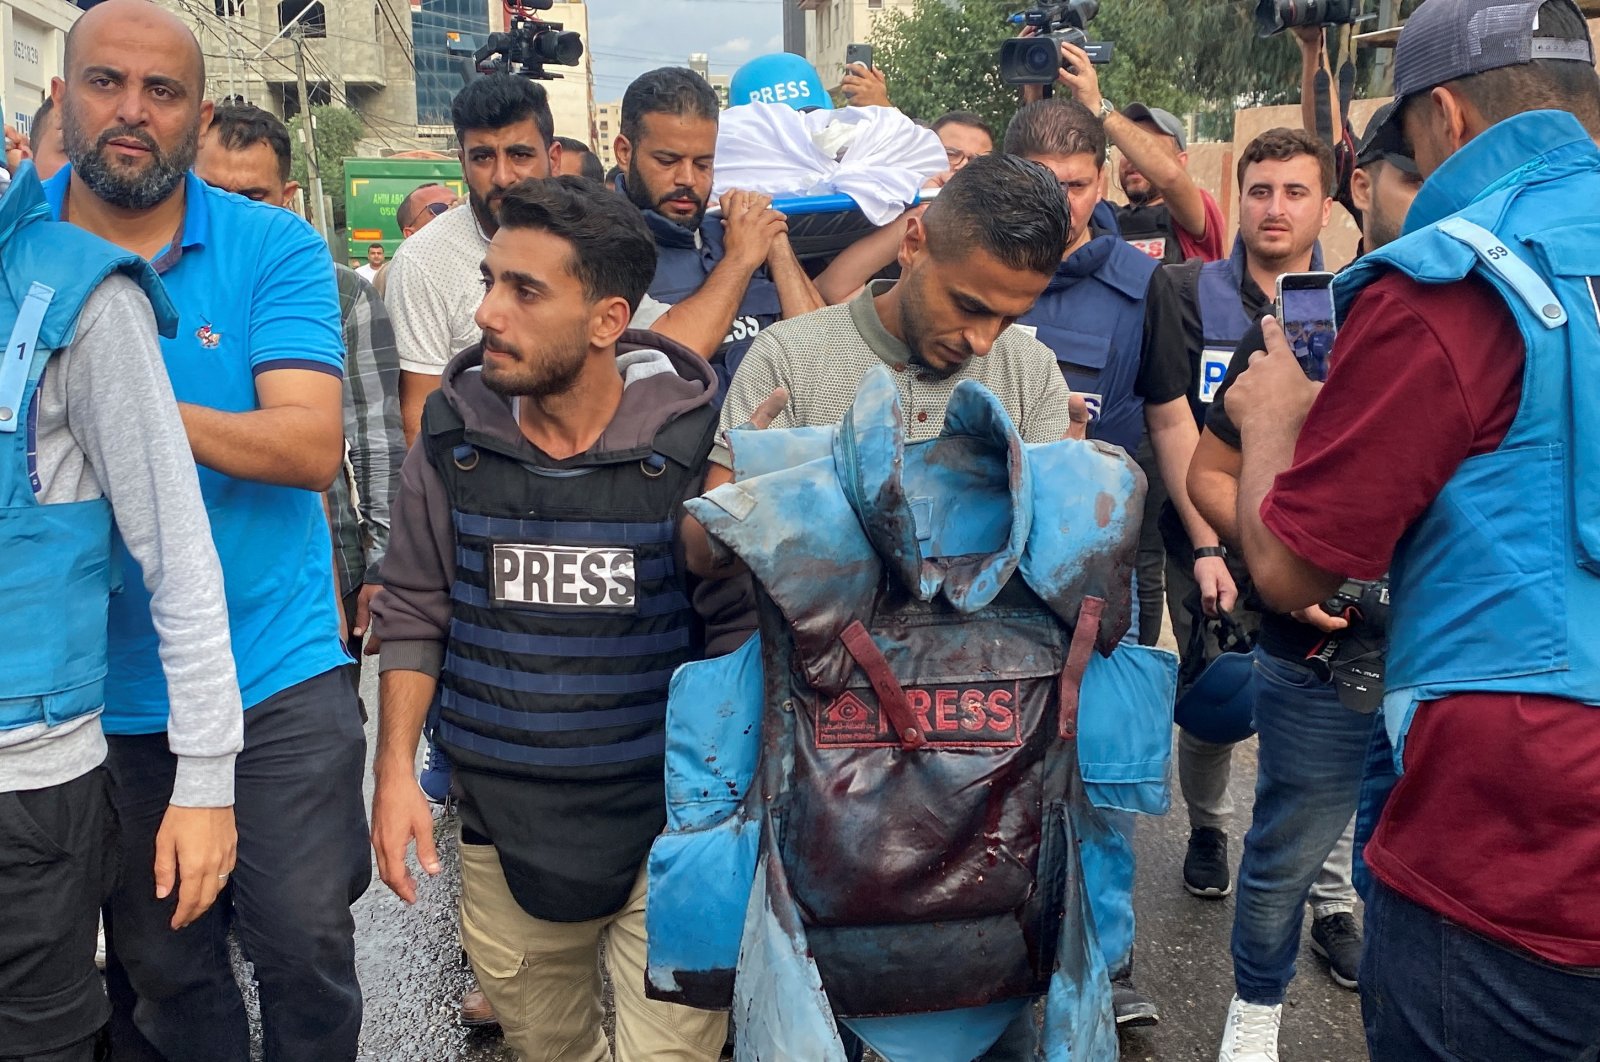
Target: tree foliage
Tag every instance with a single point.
(1185, 55)
(939, 58)
(338, 130)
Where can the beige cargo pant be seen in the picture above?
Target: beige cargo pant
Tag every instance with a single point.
(543, 978)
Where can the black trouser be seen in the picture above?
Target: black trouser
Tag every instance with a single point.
(57, 864)
(1151, 568)
(303, 860)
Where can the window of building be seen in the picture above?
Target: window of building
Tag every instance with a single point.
(227, 8)
(874, 3)
(315, 18)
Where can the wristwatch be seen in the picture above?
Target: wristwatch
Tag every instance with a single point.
(1107, 108)
(1203, 552)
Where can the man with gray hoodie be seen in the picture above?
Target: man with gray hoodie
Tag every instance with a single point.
(536, 598)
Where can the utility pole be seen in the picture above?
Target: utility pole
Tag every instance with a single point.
(307, 131)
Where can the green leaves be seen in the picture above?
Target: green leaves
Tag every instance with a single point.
(1184, 55)
(338, 130)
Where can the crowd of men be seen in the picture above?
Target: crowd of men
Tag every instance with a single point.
(233, 468)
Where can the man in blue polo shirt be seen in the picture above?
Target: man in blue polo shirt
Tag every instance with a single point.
(256, 366)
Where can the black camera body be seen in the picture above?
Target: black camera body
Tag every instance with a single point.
(1036, 60)
(1275, 16)
(525, 48)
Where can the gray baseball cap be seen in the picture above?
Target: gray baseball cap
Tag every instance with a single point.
(1444, 40)
(1165, 121)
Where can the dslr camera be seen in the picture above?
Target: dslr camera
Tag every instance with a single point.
(1037, 60)
(1275, 16)
(524, 49)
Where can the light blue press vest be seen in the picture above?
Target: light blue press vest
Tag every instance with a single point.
(728, 913)
(57, 571)
(1497, 584)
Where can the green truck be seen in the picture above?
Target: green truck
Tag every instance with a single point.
(373, 189)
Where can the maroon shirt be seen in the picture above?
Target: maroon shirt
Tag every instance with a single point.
(1496, 822)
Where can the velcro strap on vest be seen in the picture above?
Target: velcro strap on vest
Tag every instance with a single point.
(1500, 260)
(1083, 635)
(891, 695)
(16, 364)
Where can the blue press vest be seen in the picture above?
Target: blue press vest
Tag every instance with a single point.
(1497, 583)
(783, 781)
(58, 574)
(1092, 316)
(683, 261)
(1223, 321)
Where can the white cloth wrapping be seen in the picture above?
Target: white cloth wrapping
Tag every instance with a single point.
(875, 155)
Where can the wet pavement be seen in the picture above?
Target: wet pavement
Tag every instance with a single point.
(412, 975)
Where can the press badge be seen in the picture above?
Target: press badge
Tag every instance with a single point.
(1214, 362)
(1155, 247)
(564, 578)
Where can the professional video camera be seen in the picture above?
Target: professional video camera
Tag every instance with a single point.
(1036, 60)
(1275, 16)
(523, 49)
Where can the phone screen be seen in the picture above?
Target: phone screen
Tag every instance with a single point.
(1308, 321)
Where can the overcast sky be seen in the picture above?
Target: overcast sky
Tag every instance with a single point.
(628, 37)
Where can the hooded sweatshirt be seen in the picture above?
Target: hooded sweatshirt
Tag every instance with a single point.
(662, 381)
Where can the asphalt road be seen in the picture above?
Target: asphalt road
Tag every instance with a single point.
(412, 976)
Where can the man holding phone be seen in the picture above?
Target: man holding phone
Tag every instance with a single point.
(1197, 313)
(1313, 747)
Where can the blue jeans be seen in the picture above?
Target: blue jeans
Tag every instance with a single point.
(1431, 990)
(1312, 751)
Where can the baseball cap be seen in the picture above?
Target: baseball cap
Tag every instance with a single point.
(1165, 121)
(782, 77)
(1445, 40)
(1383, 140)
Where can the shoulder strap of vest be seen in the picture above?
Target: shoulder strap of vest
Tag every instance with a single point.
(802, 542)
(70, 261)
(1088, 505)
(442, 427)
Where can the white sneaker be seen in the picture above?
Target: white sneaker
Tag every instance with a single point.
(1251, 1033)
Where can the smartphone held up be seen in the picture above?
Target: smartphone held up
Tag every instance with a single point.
(1305, 309)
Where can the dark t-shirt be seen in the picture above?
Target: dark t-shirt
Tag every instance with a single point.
(1173, 335)
(1494, 823)
(1283, 636)
(1169, 365)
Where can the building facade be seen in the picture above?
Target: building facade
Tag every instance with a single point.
(607, 124)
(700, 63)
(440, 74)
(357, 54)
(832, 25)
(32, 35)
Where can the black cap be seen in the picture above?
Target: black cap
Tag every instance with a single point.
(1383, 140)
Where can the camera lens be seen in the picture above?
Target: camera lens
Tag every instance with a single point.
(1040, 60)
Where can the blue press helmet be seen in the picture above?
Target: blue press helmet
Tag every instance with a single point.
(782, 77)
(1218, 707)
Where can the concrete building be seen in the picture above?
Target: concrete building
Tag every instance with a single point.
(607, 123)
(358, 54)
(32, 35)
(831, 25)
(439, 74)
(794, 28)
(700, 63)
